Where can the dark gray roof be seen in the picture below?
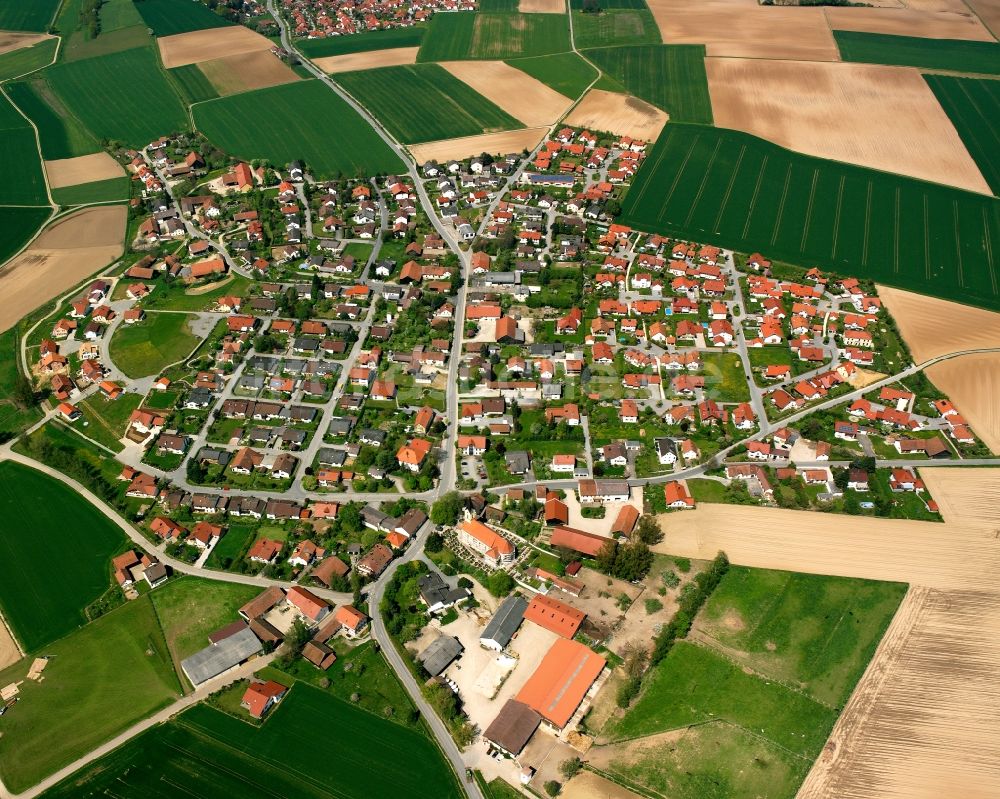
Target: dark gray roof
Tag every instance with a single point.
(505, 621)
(439, 653)
(217, 658)
(513, 727)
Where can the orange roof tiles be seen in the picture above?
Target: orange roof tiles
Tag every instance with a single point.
(561, 681)
(560, 618)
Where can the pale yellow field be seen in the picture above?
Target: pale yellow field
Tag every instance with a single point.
(516, 92)
(508, 141)
(82, 169)
(10, 41)
(989, 12)
(10, 652)
(932, 327)
(910, 22)
(62, 256)
(245, 71)
(618, 113)
(541, 6)
(395, 57)
(965, 495)
(842, 112)
(207, 45)
(972, 382)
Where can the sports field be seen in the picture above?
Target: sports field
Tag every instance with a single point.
(146, 347)
(567, 73)
(36, 507)
(20, 62)
(167, 17)
(26, 15)
(953, 55)
(195, 87)
(726, 187)
(61, 135)
(671, 77)
(454, 37)
(362, 43)
(99, 681)
(312, 746)
(614, 27)
(973, 106)
(438, 105)
(102, 93)
(285, 134)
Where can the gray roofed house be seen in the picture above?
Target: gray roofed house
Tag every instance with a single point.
(302, 413)
(221, 656)
(439, 654)
(253, 382)
(518, 461)
(436, 593)
(199, 397)
(373, 437)
(545, 350)
(375, 519)
(264, 363)
(330, 456)
(504, 624)
(513, 727)
(340, 426)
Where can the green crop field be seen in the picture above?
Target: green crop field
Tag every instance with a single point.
(739, 191)
(669, 76)
(20, 162)
(952, 55)
(146, 347)
(362, 42)
(974, 108)
(27, 15)
(40, 611)
(312, 746)
(567, 73)
(21, 62)
(438, 105)
(577, 5)
(167, 17)
(454, 37)
(195, 87)
(812, 632)
(99, 191)
(613, 27)
(61, 135)
(100, 680)
(285, 134)
(118, 14)
(104, 94)
(17, 225)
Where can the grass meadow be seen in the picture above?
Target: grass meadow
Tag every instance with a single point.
(567, 73)
(21, 62)
(973, 106)
(20, 162)
(61, 134)
(17, 225)
(169, 17)
(146, 347)
(438, 105)
(952, 55)
(726, 187)
(362, 43)
(454, 37)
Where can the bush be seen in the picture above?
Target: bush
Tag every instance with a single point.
(570, 768)
(683, 564)
(653, 605)
(552, 787)
(670, 578)
(628, 691)
(690, 602)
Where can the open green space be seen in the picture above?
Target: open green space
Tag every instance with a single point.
(27, 15)
(567, 73)
(725, 380)
(285, 134)
(14, 416)
(20, 161)
(726, 187)
(613, 27)
(35, 507)
(118, 14)
(61, 134)
(100, 191)
(232, 546)
(175, 296)
(813, 632)
(973, 105)
(103, 94)
(952, 55)
(21, 62)
(195, 87)
(454, 37)
(17, 225)
(104, 420)
(167, 17)
(312, 745)
(99, 681)
(438, 105)
(146, 347)
(362, 42)
(79, 46)
(669, 76)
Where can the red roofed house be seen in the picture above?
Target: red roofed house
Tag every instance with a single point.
(553, 615)
(677, 496)
(262, 696)
(494, 548)
(561, 682)
(353, 622)
(307, 603)
(411, 455)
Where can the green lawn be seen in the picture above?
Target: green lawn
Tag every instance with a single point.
(175, 296)
(146, 347)
(37, 507)
(613, 27)
(61, 135)
(312, 745)
(195, 87)
(707, 490)
(27, 15)
(974, 108)
(454, 37)
(362, 42)
(567, 73)
(100, 680)
(167, 17)
(97, 192)
(233, 545)
(285, 134)
(725, 380)
(105, 420)
(951, 55)
(669, 76)
(21, 62)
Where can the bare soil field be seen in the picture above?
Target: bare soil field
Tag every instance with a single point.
(10, 41)
(924, 720)
(394, 57)
(63, 255)
(541, 6)
(972, 382)
(966, 496)
(842, 111)
(909, 22)
(865, 377)
(920, 321)
(508, 141)
(245, 71)
(988, 11)
(618, 113)
(744, 29)
(82, 169)
(587, 785)
(516, 92)
(210, 44)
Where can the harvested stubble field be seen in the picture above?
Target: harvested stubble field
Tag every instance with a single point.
(541, 6)
(974, 108)
(455, 37)
(9, 41)
(437, 103)
(910, 51)
(246, 71)
(82, 169)
(972, 382)
(727, 187)
(208, 45)
(64, 254)
(508, 141)
(515, 92)
(368, 59)
(842, 112)
(621, 114)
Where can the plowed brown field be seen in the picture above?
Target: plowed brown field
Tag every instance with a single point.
(207, 45)
(618, 113)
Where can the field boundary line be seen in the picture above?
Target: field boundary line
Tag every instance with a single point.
(781, 204)
(895, 231)
(704, 181)
(680, 171)
(989, 249)
(10, 632)
(809, 209)
(836, 217)
(868, 224)
(729, 188)
(628, 785)
(756, 191)
(958, 243)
